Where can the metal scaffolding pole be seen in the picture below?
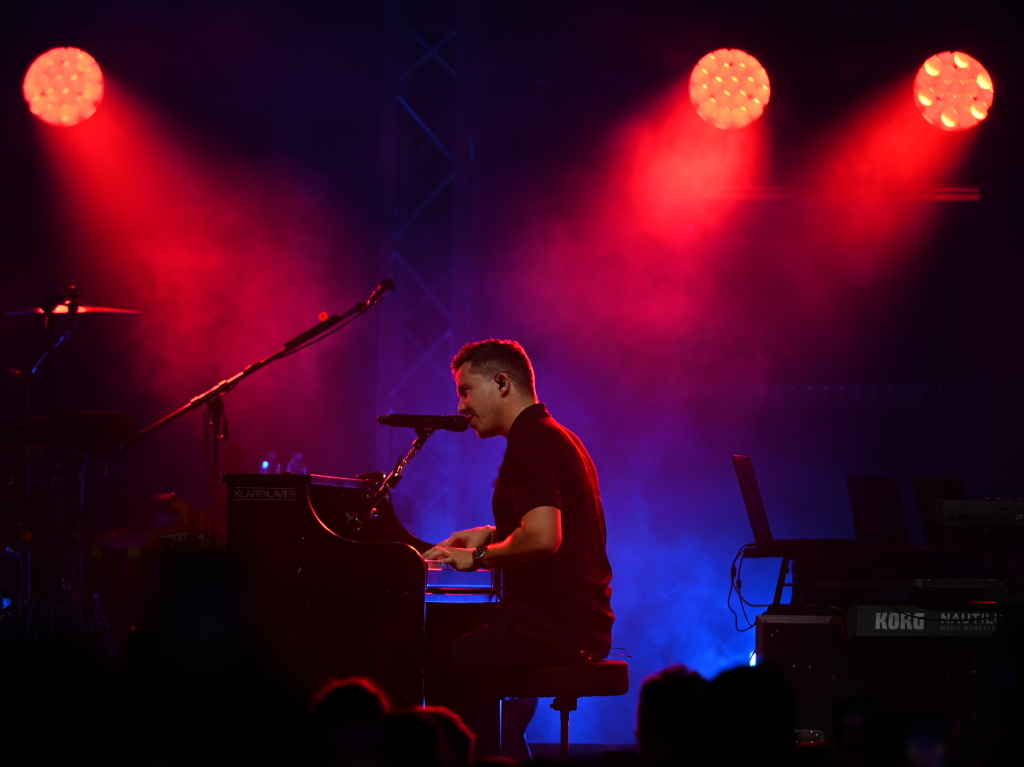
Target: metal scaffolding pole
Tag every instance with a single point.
(430, 195)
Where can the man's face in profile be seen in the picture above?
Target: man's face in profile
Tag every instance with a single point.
(479, 400)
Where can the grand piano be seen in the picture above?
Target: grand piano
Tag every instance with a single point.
(335, 588)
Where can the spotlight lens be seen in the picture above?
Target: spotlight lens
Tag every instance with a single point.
(63, 87)
(729, 88)
(953, 91)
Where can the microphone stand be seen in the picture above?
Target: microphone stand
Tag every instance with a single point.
(390, 481)
(212, 397)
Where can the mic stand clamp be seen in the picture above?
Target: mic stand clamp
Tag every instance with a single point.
(390, 481)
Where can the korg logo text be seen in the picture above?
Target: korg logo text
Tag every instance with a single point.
(265, 494)
(899, 621)
(910, 620)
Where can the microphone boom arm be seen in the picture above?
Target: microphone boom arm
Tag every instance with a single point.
(225, 386)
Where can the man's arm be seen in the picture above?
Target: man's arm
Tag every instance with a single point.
(539, 535)
(469, 539)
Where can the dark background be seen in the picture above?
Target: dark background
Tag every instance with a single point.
(244, 196)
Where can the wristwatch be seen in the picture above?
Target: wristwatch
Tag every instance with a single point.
(478, 556)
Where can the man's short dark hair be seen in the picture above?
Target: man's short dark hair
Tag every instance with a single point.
(490, 357)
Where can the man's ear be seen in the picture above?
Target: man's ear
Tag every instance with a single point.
(503, 385)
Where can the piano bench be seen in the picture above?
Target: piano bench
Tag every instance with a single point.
(567, 684)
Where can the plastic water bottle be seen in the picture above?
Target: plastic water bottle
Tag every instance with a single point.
(270, 464)
(297, 465)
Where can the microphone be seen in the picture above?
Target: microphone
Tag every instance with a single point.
(382, 291)
(446, 422)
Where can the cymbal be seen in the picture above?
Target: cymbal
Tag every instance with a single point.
(80, 309)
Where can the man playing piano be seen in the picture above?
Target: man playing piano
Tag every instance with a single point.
(548, 539)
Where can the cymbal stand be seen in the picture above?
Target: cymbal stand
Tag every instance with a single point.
(49, 506)
(38, 526)
(76, 584)
(40, 537)
(41, 528)
(24, 609)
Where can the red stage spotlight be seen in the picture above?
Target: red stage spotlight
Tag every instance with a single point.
(64, 86)
(729, 88)
(953, 91)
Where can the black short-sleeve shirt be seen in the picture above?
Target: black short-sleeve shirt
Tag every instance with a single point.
(545, 464)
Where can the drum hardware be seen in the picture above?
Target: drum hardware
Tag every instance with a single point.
(39, 529)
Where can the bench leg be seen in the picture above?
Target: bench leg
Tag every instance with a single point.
(563, 706)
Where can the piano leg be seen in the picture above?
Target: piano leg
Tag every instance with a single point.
(501, 728)
(516, 715)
